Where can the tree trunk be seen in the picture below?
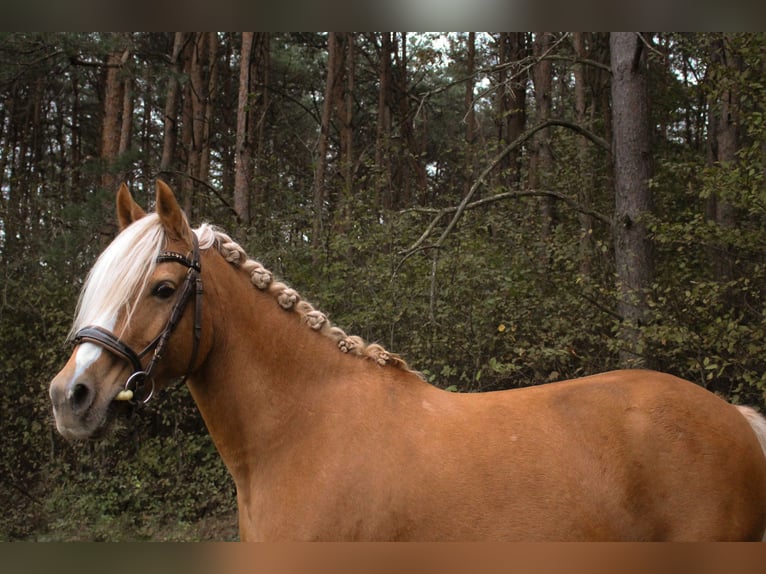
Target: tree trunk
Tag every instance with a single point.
(383, 126)
(542, 166)
(320, 194)
(517, 102)
(402, 169)
(187, 122)
(347, 118)
(243, 161)
(510, 101)
(345, 98)
(208, 103)
(111, 126)
(470, 112)
(126, 126)
(198, 112)
(584, 167)
(259, 80)
(633, 201)
(170, 120)
(76, 144)
(725, 115)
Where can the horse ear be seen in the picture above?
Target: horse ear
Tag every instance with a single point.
(128, 210)
(171, 215)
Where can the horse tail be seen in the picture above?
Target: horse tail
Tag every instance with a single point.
(758, 424)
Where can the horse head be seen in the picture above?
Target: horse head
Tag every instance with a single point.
(134, 330)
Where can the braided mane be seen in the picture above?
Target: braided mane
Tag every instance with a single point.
(290, 300)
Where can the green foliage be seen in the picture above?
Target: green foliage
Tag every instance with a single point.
(505, 302)
(123, 490)
(711, 333)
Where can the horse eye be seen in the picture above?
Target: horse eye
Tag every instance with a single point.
(163, 291)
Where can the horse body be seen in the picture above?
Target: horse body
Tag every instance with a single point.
(620, 456)
(323, 445)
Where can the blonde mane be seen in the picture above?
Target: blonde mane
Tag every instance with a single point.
(290, 300)
(119, 274)
(123, 269)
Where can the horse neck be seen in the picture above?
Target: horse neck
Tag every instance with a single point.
(263, 367)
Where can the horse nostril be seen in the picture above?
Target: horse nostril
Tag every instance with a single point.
(80, 397)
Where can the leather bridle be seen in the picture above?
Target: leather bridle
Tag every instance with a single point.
(192, 285)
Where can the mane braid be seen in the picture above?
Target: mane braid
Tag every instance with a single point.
(290, 300)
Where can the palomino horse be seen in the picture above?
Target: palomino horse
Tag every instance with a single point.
(330, 438)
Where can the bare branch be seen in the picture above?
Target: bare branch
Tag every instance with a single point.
(513, 195)
(458, 211)
(577, 60)
(523, 66)
(649, 46)
(204, 183)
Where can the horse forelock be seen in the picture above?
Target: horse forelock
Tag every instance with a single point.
(290, 300)
(119, 274)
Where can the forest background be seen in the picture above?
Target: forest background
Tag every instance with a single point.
(502, 209)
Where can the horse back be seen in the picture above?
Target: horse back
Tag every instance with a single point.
(634, 455)
(627, 455)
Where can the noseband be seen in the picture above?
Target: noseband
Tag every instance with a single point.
(192, 285)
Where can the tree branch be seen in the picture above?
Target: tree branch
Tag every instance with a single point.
(202, 182)
(458, 211)
(512, 195)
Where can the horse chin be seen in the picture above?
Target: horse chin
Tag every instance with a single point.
(114, 418)
(97, 423)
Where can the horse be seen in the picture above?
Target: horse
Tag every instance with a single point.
(328, 437)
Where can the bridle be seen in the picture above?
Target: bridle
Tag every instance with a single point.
(192, 285)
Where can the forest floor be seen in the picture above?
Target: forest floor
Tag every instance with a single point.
(215, 528)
